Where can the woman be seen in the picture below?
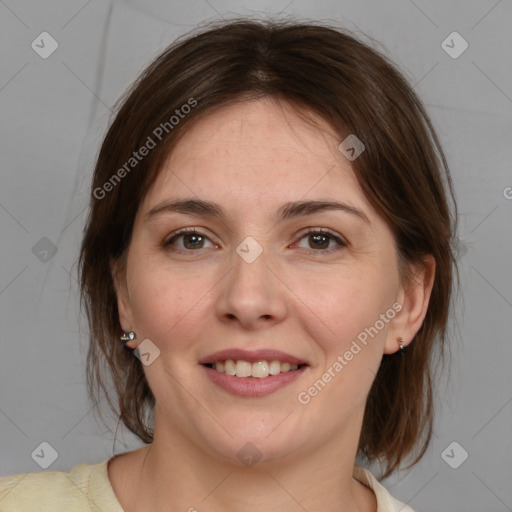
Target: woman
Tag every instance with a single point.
(267, 273)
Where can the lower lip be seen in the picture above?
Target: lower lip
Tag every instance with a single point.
(252, 386)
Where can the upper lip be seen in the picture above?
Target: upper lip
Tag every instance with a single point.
(252, 356)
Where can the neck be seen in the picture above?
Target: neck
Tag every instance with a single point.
(174, 474)
(273, 488)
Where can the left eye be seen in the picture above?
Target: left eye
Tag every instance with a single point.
(321, 239)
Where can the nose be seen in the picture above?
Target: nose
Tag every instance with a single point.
(251, 294)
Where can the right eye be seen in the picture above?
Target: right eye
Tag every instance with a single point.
(191, 240)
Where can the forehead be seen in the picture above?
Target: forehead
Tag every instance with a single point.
(255, 149)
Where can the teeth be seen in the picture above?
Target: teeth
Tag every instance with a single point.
(259, 369)
(285, 367)
(243, 369)
(229, 367)
(274, 368)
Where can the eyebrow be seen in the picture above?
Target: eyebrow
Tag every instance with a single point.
(200, 207)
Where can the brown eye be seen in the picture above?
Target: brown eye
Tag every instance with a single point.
(322, 241)
(193, 240)
(190, 240)
(319, 241)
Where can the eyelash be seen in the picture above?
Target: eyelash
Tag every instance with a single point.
(167, 244)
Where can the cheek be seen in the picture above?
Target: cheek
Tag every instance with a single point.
(167, 307)
(350, 357)
(345, 304)
(360, 317)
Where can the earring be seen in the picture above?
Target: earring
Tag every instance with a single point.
(402, 348)
(128, 336)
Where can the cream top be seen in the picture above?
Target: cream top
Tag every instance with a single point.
(86, 488)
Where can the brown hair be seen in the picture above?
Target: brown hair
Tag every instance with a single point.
(402, 172)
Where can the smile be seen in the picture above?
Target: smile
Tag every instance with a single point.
(252, 373)
(258, 369)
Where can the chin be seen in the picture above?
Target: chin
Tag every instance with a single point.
(255, 441)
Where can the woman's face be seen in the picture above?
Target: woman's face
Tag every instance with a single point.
(252, 279)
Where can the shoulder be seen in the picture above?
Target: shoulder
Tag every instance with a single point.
(82, 489)
(385, 502)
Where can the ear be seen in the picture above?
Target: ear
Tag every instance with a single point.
(117, 270)
(414, 297)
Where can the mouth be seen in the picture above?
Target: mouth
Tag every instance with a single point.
(258, 369)
(252, 373)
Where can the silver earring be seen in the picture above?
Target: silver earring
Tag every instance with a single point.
(128, 336)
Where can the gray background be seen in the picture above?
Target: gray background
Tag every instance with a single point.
(54, 112)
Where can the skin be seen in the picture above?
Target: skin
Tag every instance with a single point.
(250, 158)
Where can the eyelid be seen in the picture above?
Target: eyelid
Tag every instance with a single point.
(323, 231)
(339, 239)
(183, 231)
